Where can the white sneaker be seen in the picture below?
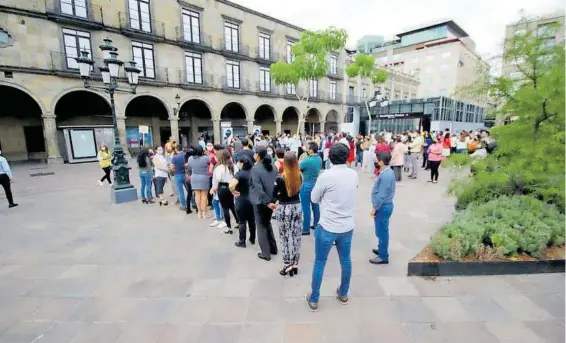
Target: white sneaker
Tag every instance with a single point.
(214, 223)
(100, 183)
(221, 225)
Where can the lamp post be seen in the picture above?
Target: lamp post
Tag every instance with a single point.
(122, 190)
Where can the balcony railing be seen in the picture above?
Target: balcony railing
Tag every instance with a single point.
(75, 11)
(244, 86)
(336, 99)
(239, 49)
(353, 100)
(204, 39)
(273, 89)
(206, 80)
(272, 56)
(61, 62)
(338, 73)
(144, 28)
(159, 75)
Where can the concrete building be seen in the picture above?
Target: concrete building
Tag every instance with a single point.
(214, 54)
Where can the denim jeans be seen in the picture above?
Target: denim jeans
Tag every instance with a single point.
(306, 205)
(180, 183)
(323, 241)
(381, 222)
(145, 189)
(217, 209)
(359, 158)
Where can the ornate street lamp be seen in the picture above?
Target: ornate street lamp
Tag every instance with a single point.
(122, 190)
(176, 109)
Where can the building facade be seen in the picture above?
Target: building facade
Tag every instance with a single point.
(214, 54)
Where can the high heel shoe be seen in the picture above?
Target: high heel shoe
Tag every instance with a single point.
(163, 203)
(144, 201)
(150, 201)
(288, 269)
(228, 231)
(296, 270)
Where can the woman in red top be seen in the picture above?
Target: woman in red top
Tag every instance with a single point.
(352, 154)
(381, 146)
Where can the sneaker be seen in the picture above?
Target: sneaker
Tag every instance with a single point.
(221, 225)
(378, 260)
(214, 223)
(12, 205)
(342, 299)
(100, 183)
(312, 305)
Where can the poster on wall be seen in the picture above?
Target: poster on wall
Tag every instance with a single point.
(227, 134)
(82, 143)
(136, 139)
(257, 130)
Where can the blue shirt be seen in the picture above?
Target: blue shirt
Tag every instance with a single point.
(384, 189)
(310, 167)
(179, 162)
(5, 167)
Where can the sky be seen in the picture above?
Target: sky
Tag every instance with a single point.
(483, 20)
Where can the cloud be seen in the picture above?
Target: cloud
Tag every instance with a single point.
(483, 20)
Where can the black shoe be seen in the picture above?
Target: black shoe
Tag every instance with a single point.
(252, 241)
(377, 260)
(273, 252)
(288, 269)
(305, 233)
(312, 227)
(189, 211)
(263, 257)
(375, 251)
(240, 244)
(12, 205)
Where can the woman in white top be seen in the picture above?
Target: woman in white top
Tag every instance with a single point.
(161, 173)
(221, 177)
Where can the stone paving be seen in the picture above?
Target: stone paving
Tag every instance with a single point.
(74, 268)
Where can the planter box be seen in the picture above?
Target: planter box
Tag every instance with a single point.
(455, 268)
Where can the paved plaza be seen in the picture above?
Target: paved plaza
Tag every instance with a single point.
(74, 268)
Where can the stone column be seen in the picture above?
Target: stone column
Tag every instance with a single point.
(250, 127)
(50, 135)
(174, 122)
(194, 129)
(322, 126)
(216, 130)
(156, 131)
(278, 127)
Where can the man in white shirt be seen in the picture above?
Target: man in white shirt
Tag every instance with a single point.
(416, 148)
(336, 192)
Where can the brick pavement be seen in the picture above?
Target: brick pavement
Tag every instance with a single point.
(74, 268)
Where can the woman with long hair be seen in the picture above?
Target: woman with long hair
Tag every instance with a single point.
(240, 187)
(435, 157)
(190, 152)
(427, 143)
(198, 169)
(161, 175)
(288, 213)
(221, 177)
(105, 160)
(146, 175)
(398, 158)
(279, 155)
(352, 147)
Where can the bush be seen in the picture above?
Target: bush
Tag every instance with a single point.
(509, 225)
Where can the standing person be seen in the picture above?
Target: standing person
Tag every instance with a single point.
(381, 146)
(288, 213)
(310, 167)
(397, 158)
(435, 157)
(240, 187)
(178, 166)
(246, 149)
(262, 182)
(237, 145)
(6, 179)
(105, 160)
(169, 153)
(427, 143)
(335, 191)
(416, 148)
(382, 207)
(223, 174)
(160, 175)
(198, 168)
(446, 145)
(201, 141)
(190, 152)
(279, 163)
(146, 175)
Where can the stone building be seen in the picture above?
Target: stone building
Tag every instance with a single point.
(214, 54)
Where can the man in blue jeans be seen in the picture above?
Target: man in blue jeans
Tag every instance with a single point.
(335, 191)
(310, 167)
(382, 196)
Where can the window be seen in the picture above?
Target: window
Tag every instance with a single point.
(430, 57)
(233, 74)
(191, 26)
(264, 46)
(333, 65)
(546, 30)
(313, 88)
(446, 54)
(231, 36)
(264, 79)
(364, 94)
(75, 41)
(193, 63)
(332, 90)
(140, 17)
(291, 89)
(289, 52)
(76, 8)
(143, 56)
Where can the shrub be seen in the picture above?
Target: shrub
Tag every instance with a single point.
(508, 224)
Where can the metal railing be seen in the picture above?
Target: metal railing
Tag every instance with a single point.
(272, 56)
(75, 10)
(337, 73)
(352, 99)
(160, 75)
(206, 80)
(62, 62)
(229, 86)
(273, 89)
(181, 36)
(240, 49)
(143, 26)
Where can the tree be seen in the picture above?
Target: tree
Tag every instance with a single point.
(529, 158)
(308, 62)
(363, 68)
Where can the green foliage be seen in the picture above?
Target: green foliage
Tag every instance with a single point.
(509, 224)
(529, 159)
(364, 67)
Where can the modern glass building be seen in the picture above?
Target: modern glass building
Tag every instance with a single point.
(428, 114)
